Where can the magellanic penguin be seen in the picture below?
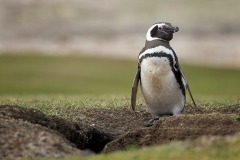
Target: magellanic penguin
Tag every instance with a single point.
(162, 80)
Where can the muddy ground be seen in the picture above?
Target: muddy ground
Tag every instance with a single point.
(27, 132)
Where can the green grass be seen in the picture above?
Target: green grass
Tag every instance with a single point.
(58, 104)
(200, 149)
(47, 82)
(63, 75)
(213, 81)
(68, 75)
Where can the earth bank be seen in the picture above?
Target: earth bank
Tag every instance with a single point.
(27, 132)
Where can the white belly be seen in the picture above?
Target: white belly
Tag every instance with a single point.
(160, 89)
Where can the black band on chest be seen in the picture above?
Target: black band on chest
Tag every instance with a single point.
(157, 54)
(177, 73)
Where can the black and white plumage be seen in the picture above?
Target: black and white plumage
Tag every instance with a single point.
(162, 80)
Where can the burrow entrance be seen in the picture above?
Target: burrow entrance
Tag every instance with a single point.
(80, 134)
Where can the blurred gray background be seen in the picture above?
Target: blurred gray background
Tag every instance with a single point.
(209, 30)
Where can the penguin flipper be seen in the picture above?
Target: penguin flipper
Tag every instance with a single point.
(190, 93)
(187, 85)
(134, 89)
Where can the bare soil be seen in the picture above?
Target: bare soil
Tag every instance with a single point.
(27, 132)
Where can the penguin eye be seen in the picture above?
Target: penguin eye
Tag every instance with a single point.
(160, 28)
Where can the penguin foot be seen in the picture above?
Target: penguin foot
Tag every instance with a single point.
(151, 121)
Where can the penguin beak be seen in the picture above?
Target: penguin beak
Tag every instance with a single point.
(170, 29)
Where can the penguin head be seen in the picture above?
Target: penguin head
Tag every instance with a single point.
(162, 31)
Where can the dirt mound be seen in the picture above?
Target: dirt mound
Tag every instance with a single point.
(23, 139)
(119, 120)
(206, 121)
(116, 121)
(78, 133)
(115, 128)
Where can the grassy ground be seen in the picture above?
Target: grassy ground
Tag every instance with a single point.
(63, 75)
(221, 149)
(44, 81)
(49, 82)
(67, 75)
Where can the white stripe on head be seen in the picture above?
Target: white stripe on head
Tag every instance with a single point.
(148, 35)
